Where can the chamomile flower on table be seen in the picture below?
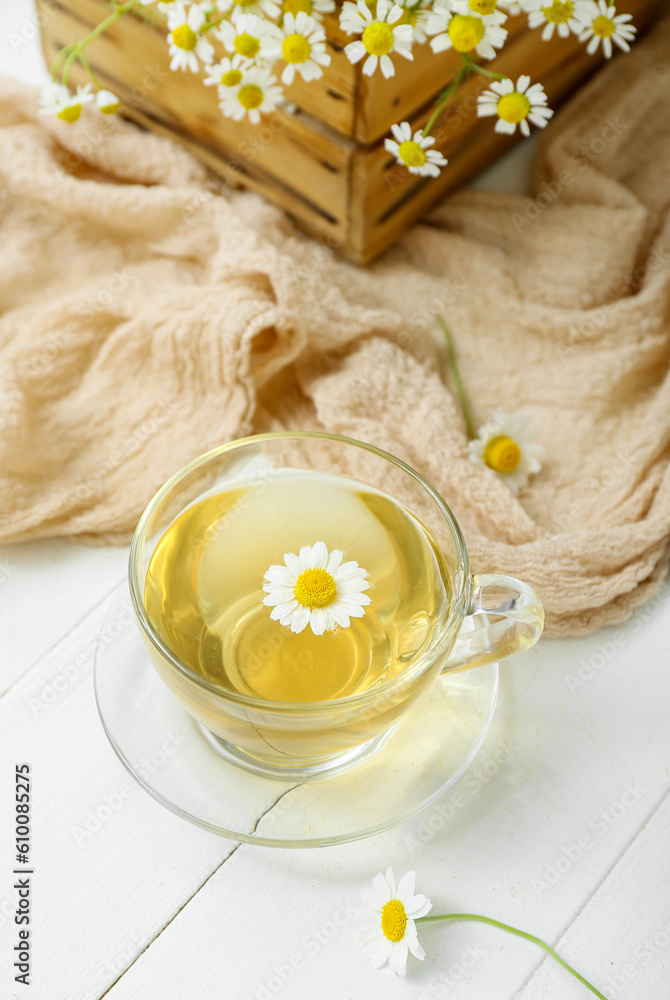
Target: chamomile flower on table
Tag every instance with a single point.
(601, 23)
(381, 35)
(389, 934)
(226, 73)
(264, 8)
(250, 36)
(414, 152)
(316, 588)
(465, 31)
(301, 43)
(188, 47)
(56, 99)
(507, 445)
(256, 93)
(515, 105)
(562, 16)
(315, 8)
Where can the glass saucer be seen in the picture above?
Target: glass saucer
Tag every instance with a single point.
(166, 753)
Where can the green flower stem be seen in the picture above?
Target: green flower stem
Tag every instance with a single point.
(74, 51)
(89, 69)
(213, 24)
(476, 68)
(518, 933)
(457, 378)
(446, 96)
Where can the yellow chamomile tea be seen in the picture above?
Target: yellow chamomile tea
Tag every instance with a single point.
(300, 587)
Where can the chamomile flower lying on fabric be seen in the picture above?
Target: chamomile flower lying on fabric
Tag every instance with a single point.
(315, 8)
(227, 73)
(57, 100)
(389, 935)
(251, 37)
(187, 46)
(515, 105)
(316, 588)
(381, 35)
(466, 32)
(302, 45)
(256, 93)
(602, 24)
(562, 16)
(507, 445)
(415, 153)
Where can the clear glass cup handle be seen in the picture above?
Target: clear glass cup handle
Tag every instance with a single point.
(505, 616)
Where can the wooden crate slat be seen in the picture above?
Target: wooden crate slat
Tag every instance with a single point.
(327, 166)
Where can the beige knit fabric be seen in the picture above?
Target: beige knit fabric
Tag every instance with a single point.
(148, 316)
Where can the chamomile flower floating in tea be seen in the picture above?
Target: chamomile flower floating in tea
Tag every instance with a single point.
(391, 935)
(316, 588)
(218, 583)
(507, 445)
(602, 24)
(515, 105)
(415, 153)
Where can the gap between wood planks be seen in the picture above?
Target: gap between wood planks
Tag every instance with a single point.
(61, 638)
(573, 920)
(194, 894)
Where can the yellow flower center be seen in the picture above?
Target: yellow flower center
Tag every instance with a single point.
(411, 154)
(70, 114)
(465, 32)
(378, 38)
(513, 107)
(185, 37)
(244, 3)
(603, 27)
(110, 109)
(394, 920)
(246, 45)
(231, 78)
(295, 49)
(315, 588)
(483, 7)
(559, 12)
(295, 6)
(502, 454)
(250, 96)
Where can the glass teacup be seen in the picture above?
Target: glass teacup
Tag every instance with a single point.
(472, 621)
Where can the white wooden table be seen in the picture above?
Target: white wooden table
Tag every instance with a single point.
(562, 826)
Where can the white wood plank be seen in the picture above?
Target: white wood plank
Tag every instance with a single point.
(559, 758)
(112, 867)
(45, 589)
(623, 934)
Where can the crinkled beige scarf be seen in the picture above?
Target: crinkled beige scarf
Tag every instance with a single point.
(148, 316)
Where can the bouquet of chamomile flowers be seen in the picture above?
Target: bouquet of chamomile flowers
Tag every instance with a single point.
(268, 43)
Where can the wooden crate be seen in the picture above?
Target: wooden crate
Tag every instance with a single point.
(325, 164)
